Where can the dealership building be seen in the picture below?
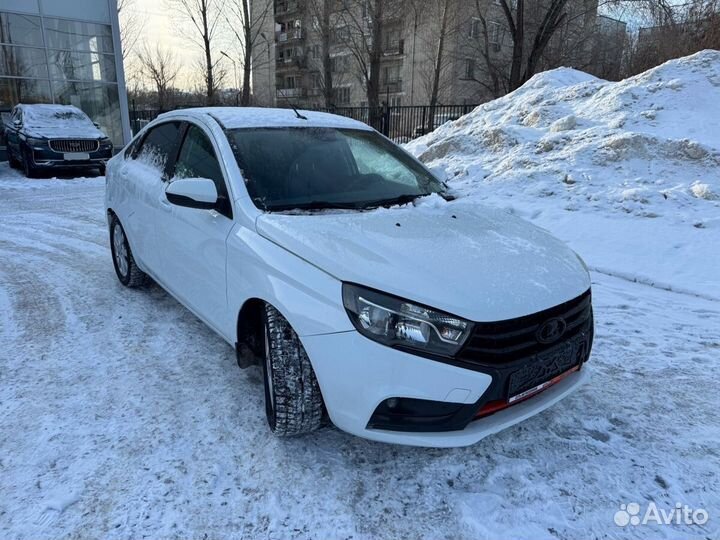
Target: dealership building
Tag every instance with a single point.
(67, 52)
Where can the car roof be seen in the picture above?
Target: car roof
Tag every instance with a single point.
(256, 117)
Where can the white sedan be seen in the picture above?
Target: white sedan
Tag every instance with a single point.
(338, 263)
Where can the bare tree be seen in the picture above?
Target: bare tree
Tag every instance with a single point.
(442, 14)
(160, 68)
(205, 17)
(246, 19)
(524, 65)
(671, 30)
(514, 50)
(321, 11)
(131, 26)
(361, 32)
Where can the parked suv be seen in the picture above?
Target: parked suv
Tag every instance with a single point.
(52, 136)
(338, 263)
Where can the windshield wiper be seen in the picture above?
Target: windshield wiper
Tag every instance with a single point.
(313, 205)
(394, 201)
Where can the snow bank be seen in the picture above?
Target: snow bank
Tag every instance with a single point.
(626, 172)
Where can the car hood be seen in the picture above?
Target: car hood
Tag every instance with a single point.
(476, 262)
(64, 132)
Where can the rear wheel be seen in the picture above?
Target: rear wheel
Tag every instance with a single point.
(293, 401)
(126, 268)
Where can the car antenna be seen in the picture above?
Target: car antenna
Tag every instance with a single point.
(300, 116)
(297, 113)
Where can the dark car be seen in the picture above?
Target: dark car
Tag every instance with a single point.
(55, 136)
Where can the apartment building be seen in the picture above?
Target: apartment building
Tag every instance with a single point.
(291, 69)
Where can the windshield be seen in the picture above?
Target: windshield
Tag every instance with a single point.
(312, 168)
(41, 116)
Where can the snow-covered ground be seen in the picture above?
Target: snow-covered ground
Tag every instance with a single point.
(123, 416)
(627, 173)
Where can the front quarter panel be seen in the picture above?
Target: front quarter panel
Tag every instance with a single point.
(310, 299)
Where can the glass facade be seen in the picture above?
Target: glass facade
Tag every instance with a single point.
(57, 60)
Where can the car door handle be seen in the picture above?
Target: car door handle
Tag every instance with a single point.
(164, 204)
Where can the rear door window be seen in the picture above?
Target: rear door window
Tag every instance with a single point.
(159, 146)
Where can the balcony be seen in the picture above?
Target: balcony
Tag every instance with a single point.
(392, 87)
(286, 7)
(295, 34)
(285, 93)
(292, 62)
(394, 49)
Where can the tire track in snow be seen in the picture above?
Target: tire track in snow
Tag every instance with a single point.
(649, 282)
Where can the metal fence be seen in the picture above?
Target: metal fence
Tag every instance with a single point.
(404, 123)
(400, 123)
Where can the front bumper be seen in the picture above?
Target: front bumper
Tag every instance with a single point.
(357, 375)
(43, 156)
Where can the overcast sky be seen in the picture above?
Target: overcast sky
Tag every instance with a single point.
(160, 28)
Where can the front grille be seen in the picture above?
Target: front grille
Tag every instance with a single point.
(498, 343)
(67, 146)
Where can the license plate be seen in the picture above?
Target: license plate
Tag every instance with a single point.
(76, 156)
(542, 369)
(542, 386)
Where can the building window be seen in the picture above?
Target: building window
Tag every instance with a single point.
(23, 62)
(393, 43)
(82, 66)
(391, 74)
(14, 91)
(494, 32)
(78, 36)
(20, 29)
(342, 96)
(475, 25)
(469, 69)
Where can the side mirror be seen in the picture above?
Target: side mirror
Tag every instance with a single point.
(96, 125)
(199, 193)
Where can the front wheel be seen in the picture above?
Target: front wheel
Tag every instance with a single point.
(28, 167)
(12, 160)
(126, 268)
(293, 401)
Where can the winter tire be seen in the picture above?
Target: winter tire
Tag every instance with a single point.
(13, 161)
(293, 401)
(126, 268)
(28, 167)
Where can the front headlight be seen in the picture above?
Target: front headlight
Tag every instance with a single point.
(36, 142)
(398, 323)
(105, 142)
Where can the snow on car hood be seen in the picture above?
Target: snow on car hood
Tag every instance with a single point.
(59, 122)
(475, 262)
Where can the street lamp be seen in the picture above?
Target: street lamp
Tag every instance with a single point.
(237, 81)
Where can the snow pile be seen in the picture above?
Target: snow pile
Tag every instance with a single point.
(626, 172)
